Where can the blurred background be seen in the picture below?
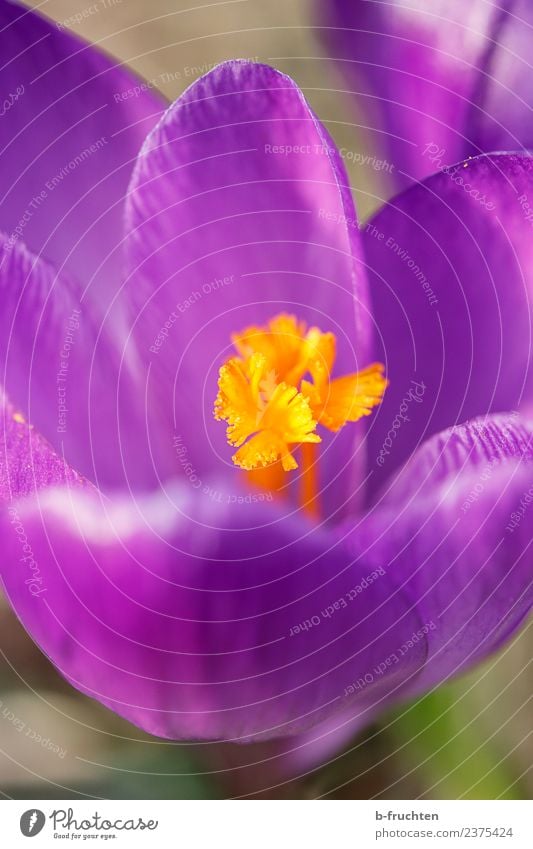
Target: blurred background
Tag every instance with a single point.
(470, 739)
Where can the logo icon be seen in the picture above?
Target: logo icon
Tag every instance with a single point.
(32, 822)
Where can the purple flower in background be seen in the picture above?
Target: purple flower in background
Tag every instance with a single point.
(194, 599)
(440, 81)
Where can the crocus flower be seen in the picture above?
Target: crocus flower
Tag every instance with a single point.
(439, 81)
(210, 599)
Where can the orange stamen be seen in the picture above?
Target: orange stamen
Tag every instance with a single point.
(278, 389)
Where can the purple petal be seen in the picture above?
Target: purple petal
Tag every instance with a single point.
(455, 528)
(61, 369)
(442, 82)
(480, 443)
(72, 124)
(194, 619)
(27, 461)
(178, 615)
(240, 209)
(452, 283)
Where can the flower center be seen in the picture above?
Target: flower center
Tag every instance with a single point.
(279, 388)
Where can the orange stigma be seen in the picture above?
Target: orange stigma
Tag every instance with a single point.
(279, 388)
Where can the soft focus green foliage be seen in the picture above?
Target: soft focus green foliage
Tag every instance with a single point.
(168, 775)
(444, 739)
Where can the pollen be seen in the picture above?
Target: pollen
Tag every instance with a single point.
(279, 388)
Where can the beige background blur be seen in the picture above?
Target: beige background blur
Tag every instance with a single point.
(172, 43)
